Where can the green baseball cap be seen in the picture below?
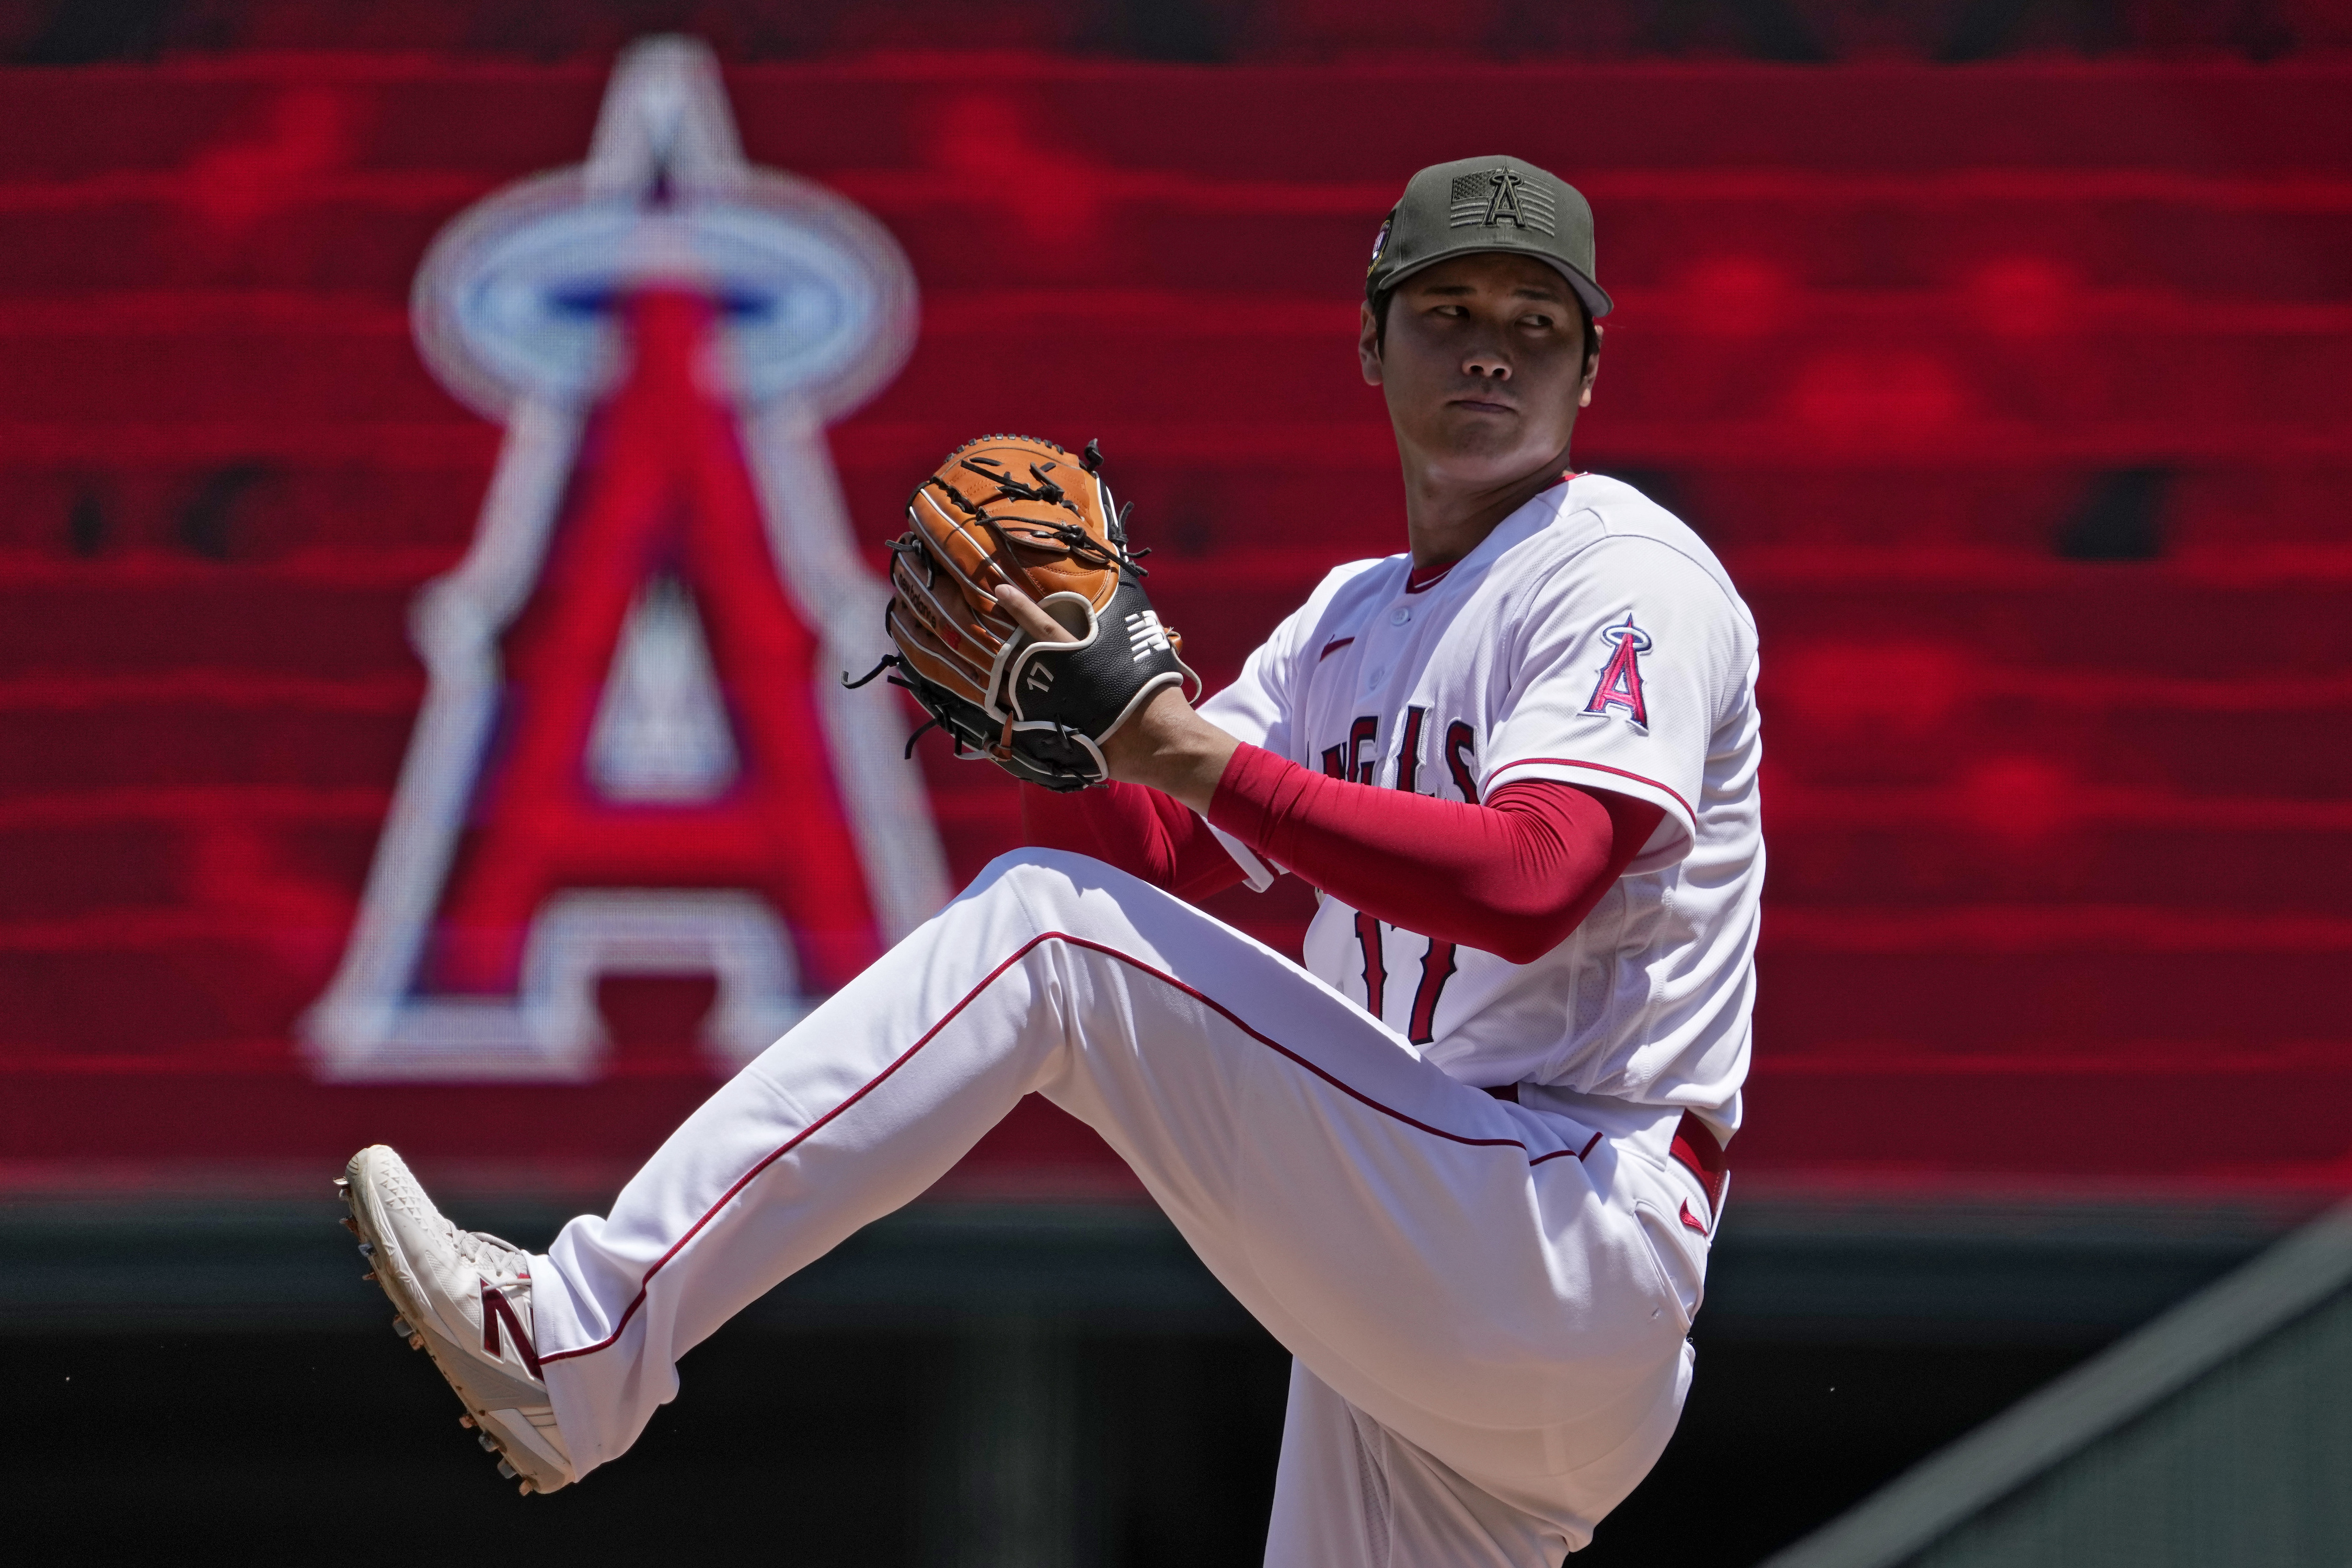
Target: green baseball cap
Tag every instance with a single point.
(1487, 204)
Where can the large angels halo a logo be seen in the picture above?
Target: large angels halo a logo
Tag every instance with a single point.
(633, 757)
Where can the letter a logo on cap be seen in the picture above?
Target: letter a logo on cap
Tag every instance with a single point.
(634, 756)
(1504, 201)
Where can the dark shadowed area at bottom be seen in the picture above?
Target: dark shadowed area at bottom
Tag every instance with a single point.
(976, 1384)
(823, 1449)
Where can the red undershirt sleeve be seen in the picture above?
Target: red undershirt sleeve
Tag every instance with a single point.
(1511, 877)
(1141, 831)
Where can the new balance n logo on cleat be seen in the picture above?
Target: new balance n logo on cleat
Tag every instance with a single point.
(1145, 634)
(495, 1311)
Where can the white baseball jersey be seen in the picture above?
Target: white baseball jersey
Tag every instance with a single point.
(1592, 639)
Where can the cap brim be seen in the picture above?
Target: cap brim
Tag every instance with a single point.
(1596, 298)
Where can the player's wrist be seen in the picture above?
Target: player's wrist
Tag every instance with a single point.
(1173, 748)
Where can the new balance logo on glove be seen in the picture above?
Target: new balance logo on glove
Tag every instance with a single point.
(1145, 634)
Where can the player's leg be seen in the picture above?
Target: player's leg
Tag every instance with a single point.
(1350, 1493)
(1448, 1263)
(1472, 1275)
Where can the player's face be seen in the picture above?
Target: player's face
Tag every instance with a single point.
(1483, 368)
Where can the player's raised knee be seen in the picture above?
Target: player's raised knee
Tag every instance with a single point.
(1037, 874)
(1054, 878)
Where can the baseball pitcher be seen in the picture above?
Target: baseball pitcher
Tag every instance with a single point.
(1467, 1163)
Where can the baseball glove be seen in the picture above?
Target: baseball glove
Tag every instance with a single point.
(1037, 699)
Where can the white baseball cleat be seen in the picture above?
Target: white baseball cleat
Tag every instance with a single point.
(464, 1298)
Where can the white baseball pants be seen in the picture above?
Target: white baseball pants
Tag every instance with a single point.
(1490, 1350)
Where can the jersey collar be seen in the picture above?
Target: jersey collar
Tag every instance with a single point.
(1421, 579)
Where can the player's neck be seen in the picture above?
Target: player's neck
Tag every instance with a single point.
(1446, 519)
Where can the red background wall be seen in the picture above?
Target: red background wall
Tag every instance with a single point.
(2014, 397)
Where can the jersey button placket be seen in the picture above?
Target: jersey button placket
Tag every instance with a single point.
(1399, 616)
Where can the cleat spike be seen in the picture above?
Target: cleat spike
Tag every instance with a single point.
(466, 1421)
(351, 1225)
(367, 1249)
(508, 1471)
(368, 1277)
(342, 1184)
(400, 1326)
(489, 1445)
(525, 1488)
(416, 1342)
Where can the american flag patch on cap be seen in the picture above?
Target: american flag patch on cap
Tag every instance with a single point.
(1499, 196)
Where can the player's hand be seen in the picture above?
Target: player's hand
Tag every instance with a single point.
(1167, 745)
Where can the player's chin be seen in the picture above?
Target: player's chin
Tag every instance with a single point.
(1480, 445)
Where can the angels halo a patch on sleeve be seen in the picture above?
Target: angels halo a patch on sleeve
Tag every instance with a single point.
(1620, 686)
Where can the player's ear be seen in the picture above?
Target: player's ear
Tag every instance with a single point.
(1368, 345)
(1592, 369)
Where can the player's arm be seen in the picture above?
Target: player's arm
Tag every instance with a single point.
(1512, 876)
